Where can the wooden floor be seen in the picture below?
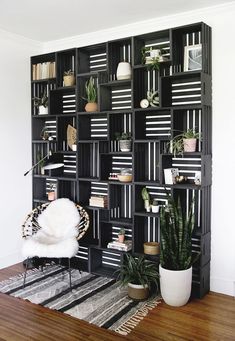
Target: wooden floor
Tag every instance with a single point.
(212, 318)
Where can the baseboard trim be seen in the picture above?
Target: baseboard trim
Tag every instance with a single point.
(223, 286)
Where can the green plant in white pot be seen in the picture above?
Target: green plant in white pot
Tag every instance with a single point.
(175, 267)
(41, 103)
(124, 141)
(139, 274)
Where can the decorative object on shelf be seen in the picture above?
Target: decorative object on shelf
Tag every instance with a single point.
(152, 57)
(124, 141)
(72, 137)
(197, 179)
(170, 175)
(125, 175)
(185, 142)
(91, 94)
(121, 235)
(152, 248)
(113, 176)
(41, 103)
(52, 195)
(144, 103)
(153, 98)
(98, 201)
(69, 78)
(126, 245)
(139, 274)
(146, 198)
(123, 71)
(179, 179)
(175, 268)
(45, 134)
(155, 207)
(193, 57)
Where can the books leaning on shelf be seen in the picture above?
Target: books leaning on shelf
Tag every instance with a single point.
(125, 246)
(98, 201)
(43, 71)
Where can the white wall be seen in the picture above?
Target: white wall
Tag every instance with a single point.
(221, 19)
(15, 150)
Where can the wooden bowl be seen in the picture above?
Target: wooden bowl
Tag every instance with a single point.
(125, 177)
(151, 248)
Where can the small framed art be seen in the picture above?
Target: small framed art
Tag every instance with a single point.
(193, 57)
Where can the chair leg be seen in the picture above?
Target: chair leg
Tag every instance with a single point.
(26, 267)
(69, 268)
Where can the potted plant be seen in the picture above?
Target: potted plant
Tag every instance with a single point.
(146, 198)
(91, 95)
(121, 235)
(175, 267)
(139, 274)
(185, 142)
(124, 141)
(152, 57)
(153, 98)
(69, 79)
(155, 206)
(41, 103)
(52, 192)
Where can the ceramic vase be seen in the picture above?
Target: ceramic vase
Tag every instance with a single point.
(123, 71)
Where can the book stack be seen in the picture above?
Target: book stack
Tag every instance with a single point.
(125, 246)
(98, 201)
(43, 71)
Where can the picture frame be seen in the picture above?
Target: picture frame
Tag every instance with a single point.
(193, 57)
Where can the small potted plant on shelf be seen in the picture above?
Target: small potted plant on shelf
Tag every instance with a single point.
(69, 78)
(185, 142)
(121, 235)
(175, 267)
(155, 206)
(41, 103)
(139, 274)
(51, 195)
(153, 98)
(146, 198)
(152, 57)
(124, 141)
(91, 94)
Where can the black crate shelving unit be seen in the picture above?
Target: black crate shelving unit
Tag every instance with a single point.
(184, 102)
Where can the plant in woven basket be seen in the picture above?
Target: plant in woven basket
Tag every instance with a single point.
(176, 236)
(91, 95)
(69, 78)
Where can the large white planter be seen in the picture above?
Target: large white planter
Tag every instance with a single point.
(175, 286)
(123, 71)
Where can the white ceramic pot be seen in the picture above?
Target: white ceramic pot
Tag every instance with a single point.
(74, 147)
(175, 286)
(123, 71)
(125, 145)
(155, 53)
(155, 209)
(42, 110)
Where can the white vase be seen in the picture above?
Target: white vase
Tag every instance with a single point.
(175, 286)
(123, 71)
(42, 110)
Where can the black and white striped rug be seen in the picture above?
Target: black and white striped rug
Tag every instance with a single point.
(98, 300)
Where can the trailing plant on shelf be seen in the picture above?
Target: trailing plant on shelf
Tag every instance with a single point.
(91, 94)
(152, 57)
(139, 274)
(124, 139)
(41, 103)
(69, 79)
(176, 228)
(146, 197)
(185, 142)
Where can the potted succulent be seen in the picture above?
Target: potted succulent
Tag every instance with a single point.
(41, 103)
(153, 98)
(185, 142)
(121, 235)
(124, 141)
(91, 95)
(139, 274)
(146, 198)
(155, 206)
(175, 267)
(69, 79)
(52, 192)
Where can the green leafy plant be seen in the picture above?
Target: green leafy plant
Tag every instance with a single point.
(69, 73)
(41, 162)
(138, 271)
(155, 202)
(153, 98)
(123, 136)
(90, 91)
(176, 236)
(145, 194)
(190, 134)
(176, 145)
(38, 101)
(152, 63)
(121, 231)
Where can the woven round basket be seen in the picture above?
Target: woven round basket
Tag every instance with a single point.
(151, 248)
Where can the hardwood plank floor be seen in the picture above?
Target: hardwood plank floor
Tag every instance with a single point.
(209, 319)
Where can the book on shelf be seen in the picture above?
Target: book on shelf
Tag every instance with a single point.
(43, 71)
(98, 201)
(125, 246)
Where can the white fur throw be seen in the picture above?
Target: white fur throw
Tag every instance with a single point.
(57, 236)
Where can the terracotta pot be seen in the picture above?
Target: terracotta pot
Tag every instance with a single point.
(90, 107)
(51, 196)
(138, 292)
(121, 238)
(69, 80)
(190, 145)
